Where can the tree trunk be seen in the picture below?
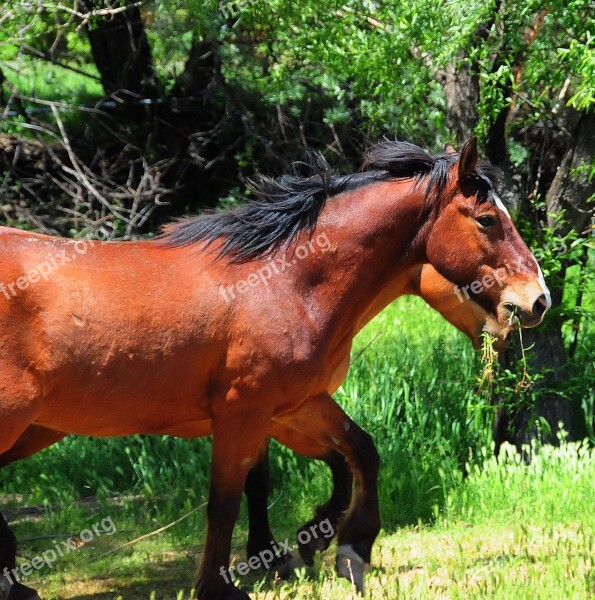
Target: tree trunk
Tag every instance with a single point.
(121, 50)
(461, 90)
(460, 84)
(570, 193)
(521, 423)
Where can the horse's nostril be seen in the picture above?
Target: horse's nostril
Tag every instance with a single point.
(540, 306)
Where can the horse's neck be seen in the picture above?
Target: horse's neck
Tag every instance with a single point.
(374, 233)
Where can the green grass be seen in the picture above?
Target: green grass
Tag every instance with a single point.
(49, 82)
(507, 531)
(504, 531)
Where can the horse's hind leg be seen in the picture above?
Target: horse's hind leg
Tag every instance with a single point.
(17, 410)
(323, 420)
(8, 550)
(32, 440)
(10, 589)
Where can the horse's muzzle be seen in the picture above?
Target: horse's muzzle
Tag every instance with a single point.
(519, 316)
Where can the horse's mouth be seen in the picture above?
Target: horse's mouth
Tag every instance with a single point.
(499, 342)
(496, 331)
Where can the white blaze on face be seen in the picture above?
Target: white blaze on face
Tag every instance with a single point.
(542, 283)
(499, 204)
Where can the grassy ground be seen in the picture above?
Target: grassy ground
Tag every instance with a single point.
(504, 531)
(508, 531)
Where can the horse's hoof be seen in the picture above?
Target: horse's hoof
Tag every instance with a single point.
(285, 570)
(21, 592)
(313, 545)
(229, 592)
(351, 566)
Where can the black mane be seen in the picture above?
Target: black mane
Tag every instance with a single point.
(285, 206)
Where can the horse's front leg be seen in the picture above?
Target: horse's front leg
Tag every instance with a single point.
(310, 538)
(236, 444)
(324, 421)
(261, 542)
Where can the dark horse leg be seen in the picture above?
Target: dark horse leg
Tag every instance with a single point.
(260, 537)
(10, 588)
(33, 439)
(238, 438)
(14, 420)
(331, 511)
(321, 419)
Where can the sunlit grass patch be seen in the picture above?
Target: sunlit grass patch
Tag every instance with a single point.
(507, 531)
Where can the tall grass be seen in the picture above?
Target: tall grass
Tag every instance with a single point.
(555, 487)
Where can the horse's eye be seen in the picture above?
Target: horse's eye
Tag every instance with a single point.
(486, 220)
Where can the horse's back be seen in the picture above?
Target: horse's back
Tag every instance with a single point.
(108, 332)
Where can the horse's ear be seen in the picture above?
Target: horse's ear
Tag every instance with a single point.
(468, 158)
(449, 149)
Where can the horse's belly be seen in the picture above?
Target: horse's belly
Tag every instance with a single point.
(112, 410)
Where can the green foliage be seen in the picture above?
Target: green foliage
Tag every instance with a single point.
(377, 64)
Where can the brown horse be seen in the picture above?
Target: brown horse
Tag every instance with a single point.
(425, 282)
(238, 324)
